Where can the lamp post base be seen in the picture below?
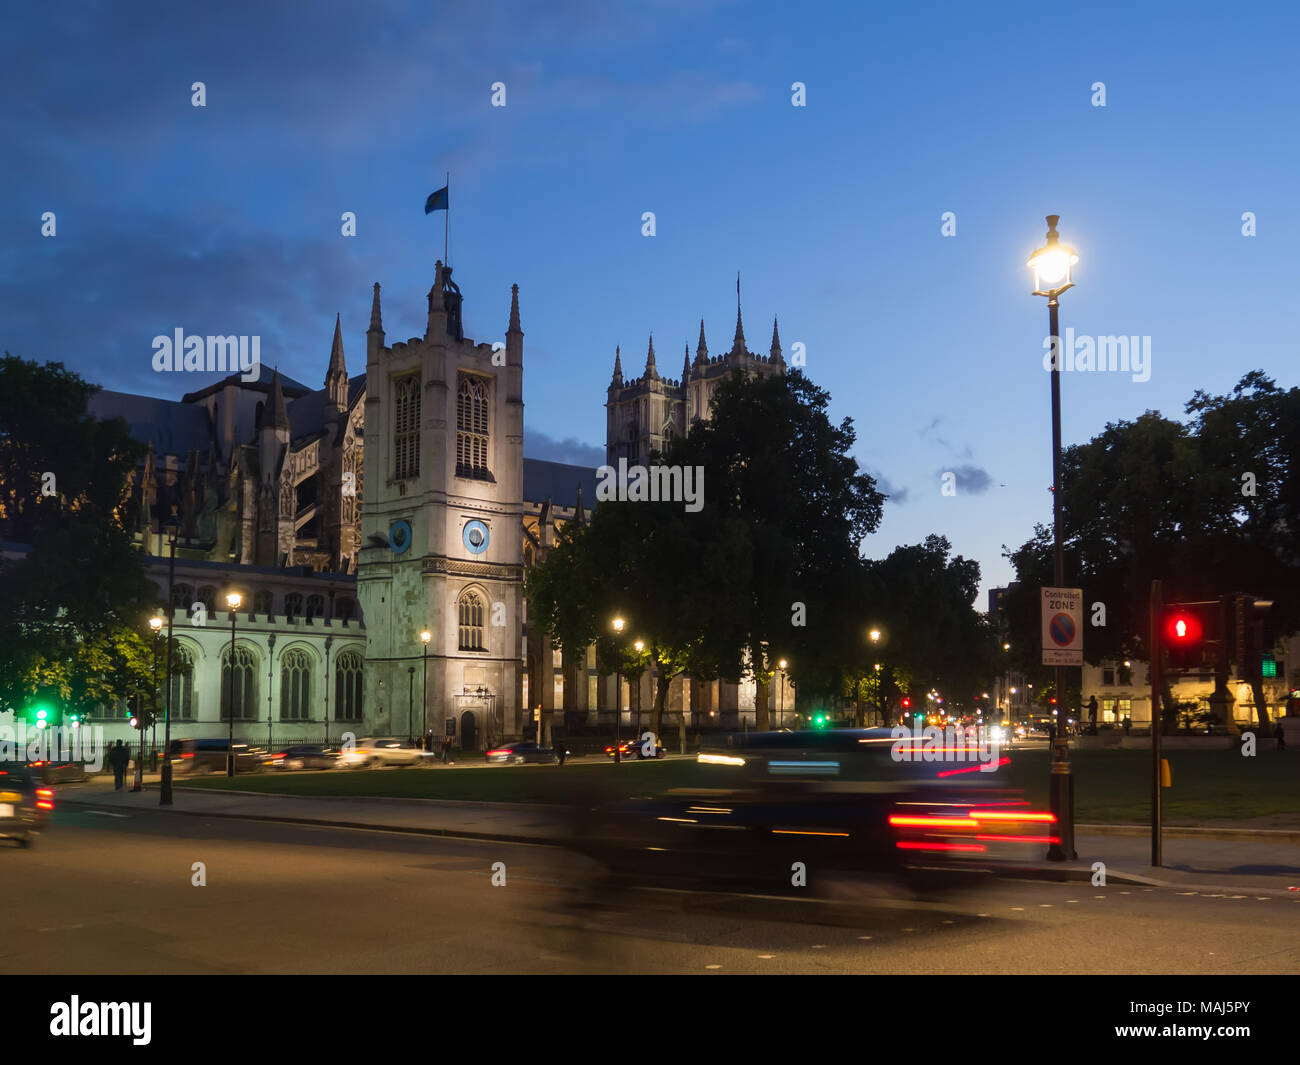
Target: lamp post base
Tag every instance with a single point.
(165, 788)
(1062, 806)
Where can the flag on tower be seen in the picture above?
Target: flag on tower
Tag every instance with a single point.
(437, 201)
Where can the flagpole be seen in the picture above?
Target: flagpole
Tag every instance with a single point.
(446, 223)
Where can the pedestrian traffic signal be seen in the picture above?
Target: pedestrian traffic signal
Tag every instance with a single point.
(1187, 633)
(907, 703)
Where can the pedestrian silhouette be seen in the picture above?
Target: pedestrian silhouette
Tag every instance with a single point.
(118, 758)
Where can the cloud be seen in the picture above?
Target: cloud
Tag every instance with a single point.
(896, 493)
(538, 445)
(929, 433)
(972, 480)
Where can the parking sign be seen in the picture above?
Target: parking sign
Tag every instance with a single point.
(1062, 626)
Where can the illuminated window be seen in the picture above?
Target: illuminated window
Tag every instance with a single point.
(347, 687)
(470, 610)
(244, 692)
(295, 686)
(406, 428)
(472, 428)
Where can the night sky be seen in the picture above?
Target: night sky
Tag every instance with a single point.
(226, 218)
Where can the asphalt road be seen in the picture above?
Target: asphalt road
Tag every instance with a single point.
(108, 893)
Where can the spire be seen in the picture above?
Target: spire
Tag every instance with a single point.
(738, 345)
(580, 513)
(277, 417)
(701, 352)
(651, 372)
(514, 310)
(686, 364)
(617, 382)
(336, 377)
(376, 322)
(776, 344)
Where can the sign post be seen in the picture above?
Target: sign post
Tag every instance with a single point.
(1062, 616)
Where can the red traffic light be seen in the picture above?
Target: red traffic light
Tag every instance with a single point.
(907, 703)
(1183, 628)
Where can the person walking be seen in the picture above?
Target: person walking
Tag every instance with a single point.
(118, 758)
(1092, 715)
(561, 750)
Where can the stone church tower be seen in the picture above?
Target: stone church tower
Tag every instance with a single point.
(644, 413)
(440, 544)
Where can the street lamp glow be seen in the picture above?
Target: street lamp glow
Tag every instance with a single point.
(1051, 263)
(639, 645)
(618, 624)
(781, 664)
(426, 636)
(874, 634)
(155, 623)
(233, 599)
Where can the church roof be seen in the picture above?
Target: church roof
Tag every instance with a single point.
(265, 375)
(172, 427)
(558, 482)
(307, 413)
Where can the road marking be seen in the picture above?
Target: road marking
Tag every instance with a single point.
(713, 966)
(1017, 907)
(1069, 901)
(767, 957)
(819, 946)
(1044, 905)
(105, 813)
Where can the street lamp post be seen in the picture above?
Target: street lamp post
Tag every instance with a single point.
(780, 696)
(618, 697)
(155, 623)
(638, 646)
(410, 704)
(233, 599)
(425, 637)
(270, 685)
(328, 641)
(165, 787)
(875, 636)
(1051, 265)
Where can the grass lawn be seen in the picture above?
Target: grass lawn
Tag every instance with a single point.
(1213, 788)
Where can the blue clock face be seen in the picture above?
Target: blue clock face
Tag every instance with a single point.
(475, 537)
(399, 536)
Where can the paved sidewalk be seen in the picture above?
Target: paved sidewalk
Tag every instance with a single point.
(1254, 861)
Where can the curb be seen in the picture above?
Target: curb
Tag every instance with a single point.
(449, 833)
(1266, 835)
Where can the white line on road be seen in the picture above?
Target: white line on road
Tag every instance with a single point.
(105, 813)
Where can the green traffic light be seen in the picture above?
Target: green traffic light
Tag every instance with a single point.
(41, 715)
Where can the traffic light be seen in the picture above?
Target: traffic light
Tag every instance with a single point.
(907, 704)
(1189, 634)
(1252, 637)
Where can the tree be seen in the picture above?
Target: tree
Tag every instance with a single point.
(1152, 499)
(69, 605)
(782, 472)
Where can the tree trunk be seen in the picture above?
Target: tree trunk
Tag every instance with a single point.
(662, 681)
(762, 716)
(1261, 708)
(859, 710)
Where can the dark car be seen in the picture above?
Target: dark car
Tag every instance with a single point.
(54, 771)
(844, 805)
(210, 756)
(526, 751)
(635, 748)
(308, 756)
(24, 803)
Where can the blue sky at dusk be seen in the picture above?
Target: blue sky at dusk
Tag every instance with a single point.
(226, 219)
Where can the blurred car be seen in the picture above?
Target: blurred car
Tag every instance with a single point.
(527, 751)
(842, 802)
(634, 749)
(307, 756)
(372, 753)
(57, 772)
(25, 803)
(211, 756)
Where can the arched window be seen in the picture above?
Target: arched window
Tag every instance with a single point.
(315, 606)
(630, 446)
(263, 602)
(295, 686)
(347, 687)
(244, 691)
(293, 604)
(472, 428)
(183, 597)
(406, 428)
(470, 610)
(207, 595)
(182, 684)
